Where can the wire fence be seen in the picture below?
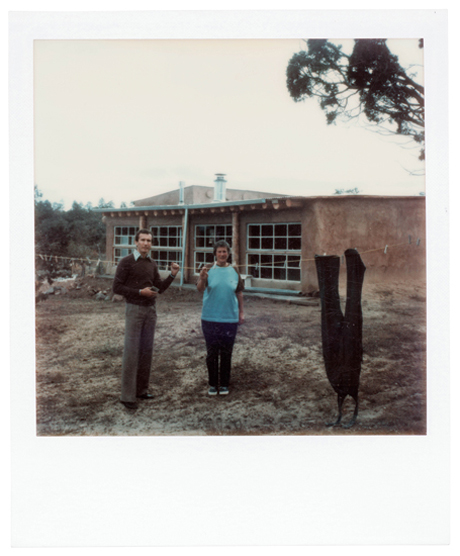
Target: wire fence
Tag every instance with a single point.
(112, 264)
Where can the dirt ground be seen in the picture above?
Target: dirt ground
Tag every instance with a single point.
(278, 384)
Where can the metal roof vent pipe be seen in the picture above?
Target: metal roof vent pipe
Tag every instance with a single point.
(219, 188)
(181, 193)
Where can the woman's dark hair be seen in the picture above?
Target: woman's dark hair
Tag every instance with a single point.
(221, 243)
(142, 231)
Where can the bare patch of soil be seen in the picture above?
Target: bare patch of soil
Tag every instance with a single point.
(278, 385)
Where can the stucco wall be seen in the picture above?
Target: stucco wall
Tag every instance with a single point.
(369, 224)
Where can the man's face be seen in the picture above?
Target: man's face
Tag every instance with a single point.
(144, 244)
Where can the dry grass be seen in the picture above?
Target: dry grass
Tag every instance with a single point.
(278, 384)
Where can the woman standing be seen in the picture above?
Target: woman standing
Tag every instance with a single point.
(222, 312)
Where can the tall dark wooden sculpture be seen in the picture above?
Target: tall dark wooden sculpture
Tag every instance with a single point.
(342, 335)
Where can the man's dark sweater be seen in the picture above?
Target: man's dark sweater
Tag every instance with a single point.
(132, 276)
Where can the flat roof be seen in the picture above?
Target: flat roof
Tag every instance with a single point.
(272, 200)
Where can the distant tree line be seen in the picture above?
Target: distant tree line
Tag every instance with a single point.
(354, 191)
(75, 233)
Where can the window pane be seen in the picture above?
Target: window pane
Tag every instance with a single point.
(267, 243)
(267, 230)
(294, 274)
(199, 231)
(279, 274)
(253, 265)
(266, 259)
(293, 261)
(294, 243)
(254, 230)
(254, 243)
(280, 230)
(266, 272)
(280, 243)
(294, 230)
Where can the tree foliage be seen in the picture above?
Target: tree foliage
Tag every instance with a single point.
(78, 232)
(368, 81)
(354, 191)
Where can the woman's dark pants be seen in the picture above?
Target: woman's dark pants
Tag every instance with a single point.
(220, 337)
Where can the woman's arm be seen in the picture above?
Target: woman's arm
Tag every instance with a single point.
(202, 280)
(239, 297)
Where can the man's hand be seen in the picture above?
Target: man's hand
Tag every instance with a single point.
(174, 269)
(147, 292)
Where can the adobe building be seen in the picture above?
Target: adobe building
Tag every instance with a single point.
(274, 237)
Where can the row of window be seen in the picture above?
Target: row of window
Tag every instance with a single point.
(278, 237)
(167, 245)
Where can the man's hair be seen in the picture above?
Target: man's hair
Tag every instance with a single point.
(143, 231)
(221, 243)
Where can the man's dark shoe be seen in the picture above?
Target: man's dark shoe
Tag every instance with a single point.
(129, 405)
(146, 397)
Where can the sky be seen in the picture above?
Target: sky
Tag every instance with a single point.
(127, 119)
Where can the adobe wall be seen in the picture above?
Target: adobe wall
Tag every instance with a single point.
(334, 224)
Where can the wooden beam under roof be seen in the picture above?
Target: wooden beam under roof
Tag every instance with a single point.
(294, 203)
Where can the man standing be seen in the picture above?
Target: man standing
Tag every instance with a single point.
(138, 280)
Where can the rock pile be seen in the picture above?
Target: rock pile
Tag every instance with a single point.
(76, 286)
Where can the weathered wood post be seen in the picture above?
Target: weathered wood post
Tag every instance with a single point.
(342, 335)
(235, 238)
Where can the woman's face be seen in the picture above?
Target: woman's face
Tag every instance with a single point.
(221, 255)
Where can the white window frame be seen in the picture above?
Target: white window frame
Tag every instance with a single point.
(165, 257)
(272, 262)
(126, 245)
(157, 238)
(166, 254)
(204, 253)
